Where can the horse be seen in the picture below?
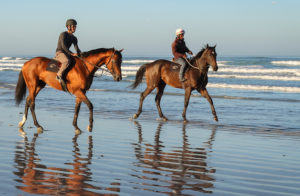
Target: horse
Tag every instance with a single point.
(34, 76)
(162, 72)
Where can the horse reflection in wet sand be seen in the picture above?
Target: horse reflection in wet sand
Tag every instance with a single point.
(37, 178)
(186, 166)
(162, 72)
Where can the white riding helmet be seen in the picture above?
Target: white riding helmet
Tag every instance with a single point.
(179, 32)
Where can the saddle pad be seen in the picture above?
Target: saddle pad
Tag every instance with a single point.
(53, 66)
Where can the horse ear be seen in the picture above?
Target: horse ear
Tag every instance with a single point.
(207, 46)
(121, 50)
(215, 46)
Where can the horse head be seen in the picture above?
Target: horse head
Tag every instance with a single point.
(113, 63)
(211, 56)
(207, 56)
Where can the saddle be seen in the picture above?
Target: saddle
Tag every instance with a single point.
(176, 66)
(53, 66)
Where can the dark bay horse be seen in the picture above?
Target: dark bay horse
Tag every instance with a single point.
(79, 79)
(162, 72)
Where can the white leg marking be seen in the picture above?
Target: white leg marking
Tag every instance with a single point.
(21, 123)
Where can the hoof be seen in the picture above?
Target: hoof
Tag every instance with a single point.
(162, 119)
(78, 131)
(216, 118)
(90, 128)
(135, 116)
(40, 129)
(185, 121)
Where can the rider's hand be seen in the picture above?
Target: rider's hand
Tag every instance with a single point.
(190, 52)
(74, 54)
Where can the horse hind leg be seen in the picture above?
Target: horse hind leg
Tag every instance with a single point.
(142, 97)
(22, 122)
(160, 91)
(31, 103)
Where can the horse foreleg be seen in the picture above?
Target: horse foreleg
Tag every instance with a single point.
(160, 91)
(81, 97)
(90, 106)
(205, 94)
(76, 112)
(142, 97)
(186, 102)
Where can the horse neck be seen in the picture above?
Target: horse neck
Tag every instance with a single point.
(96, 60)
(201, 63)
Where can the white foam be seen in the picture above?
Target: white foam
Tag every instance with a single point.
(6, 58)
(255, 87)
(138, 61)
(8, 68)
(260, 71)
(257, 77)
(289, 63)
(130, 68)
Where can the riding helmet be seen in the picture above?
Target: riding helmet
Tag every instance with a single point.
(71, 22)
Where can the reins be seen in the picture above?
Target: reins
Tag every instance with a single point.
(98, 67)
(190, 63)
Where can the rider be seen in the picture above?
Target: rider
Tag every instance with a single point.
(179, 49)
(63, 54)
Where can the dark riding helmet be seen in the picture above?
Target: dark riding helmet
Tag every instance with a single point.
(71, 22)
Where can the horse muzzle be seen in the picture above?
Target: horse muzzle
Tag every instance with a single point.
(117, 77)
(215, 68)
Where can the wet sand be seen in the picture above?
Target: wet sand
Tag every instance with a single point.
(143, 157)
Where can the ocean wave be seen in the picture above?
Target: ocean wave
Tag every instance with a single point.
(256, 77)
(255, 87)
(137, 61)
(6, 58)
(10, 69)
(289, 63)
(260, 71)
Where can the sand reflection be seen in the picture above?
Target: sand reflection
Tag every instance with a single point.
(185, 167)
(36, 177)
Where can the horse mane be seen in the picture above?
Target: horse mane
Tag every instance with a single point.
(95, 51)
(193, 60)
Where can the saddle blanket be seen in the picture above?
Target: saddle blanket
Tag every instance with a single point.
(53, 66)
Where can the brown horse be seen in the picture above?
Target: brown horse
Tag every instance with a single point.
(79, 79)
(162, 72)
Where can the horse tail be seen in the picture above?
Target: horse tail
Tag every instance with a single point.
(139, 76)
(20, 89)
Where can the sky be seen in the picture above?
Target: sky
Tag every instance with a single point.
(147, 27)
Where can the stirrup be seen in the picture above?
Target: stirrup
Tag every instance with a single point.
(62, 83)
(183, 80)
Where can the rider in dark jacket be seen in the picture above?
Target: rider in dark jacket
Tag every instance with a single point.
(63, 54)
(179, 49)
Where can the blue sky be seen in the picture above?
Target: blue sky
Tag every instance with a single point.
(147, 28)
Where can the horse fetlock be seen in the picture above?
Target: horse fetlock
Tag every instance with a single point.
(90, 128)
(77, 131)
(40, 129)
(21, 123)
(216, 118)
(135, 116)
